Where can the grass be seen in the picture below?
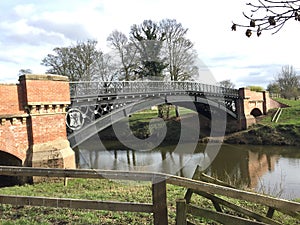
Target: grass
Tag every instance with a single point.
(146, 122)
(102, 190)
(289, 116)
(292, 103)
(147, 115)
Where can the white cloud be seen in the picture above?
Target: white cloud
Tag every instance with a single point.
(30, 31)
(24, 10)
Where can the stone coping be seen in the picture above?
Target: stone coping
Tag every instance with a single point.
(48, 103)
(9, 116)
(51, 77)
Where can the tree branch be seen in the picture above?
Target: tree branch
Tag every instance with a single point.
(276, 15)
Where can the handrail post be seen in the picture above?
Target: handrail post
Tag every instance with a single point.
(181, 211)
(159, 198)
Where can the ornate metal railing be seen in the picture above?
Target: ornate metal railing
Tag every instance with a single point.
(92, 88)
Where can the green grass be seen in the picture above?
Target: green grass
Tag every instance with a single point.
(102, 190)
(292, 103)
(147, 115)
(289, 115)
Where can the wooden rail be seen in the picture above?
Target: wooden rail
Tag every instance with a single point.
(277, 115)
(159, 195)
(184, 207)
(159, 203)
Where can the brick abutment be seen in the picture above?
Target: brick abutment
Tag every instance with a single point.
(32, 121)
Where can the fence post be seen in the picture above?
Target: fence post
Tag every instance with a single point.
(159, 198)
(181, 212)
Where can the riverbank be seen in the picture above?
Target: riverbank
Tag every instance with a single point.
(285, 131)
(263, 133)
(283, 134)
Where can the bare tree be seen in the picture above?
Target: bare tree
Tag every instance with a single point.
(127, 53)
(227, 84)
(268, 15)
(179, 51)
(288, 82)
(104, 69)
(74, 61)
(25, 71)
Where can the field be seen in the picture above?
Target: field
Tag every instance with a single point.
(100, 190)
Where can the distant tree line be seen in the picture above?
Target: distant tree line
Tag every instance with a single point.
(286, 84)
(152, 51)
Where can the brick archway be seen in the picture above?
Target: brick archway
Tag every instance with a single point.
(256, 112)
(251, 105)
(7, 159)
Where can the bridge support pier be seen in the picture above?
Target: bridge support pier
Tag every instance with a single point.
(252, 104)
(46, 98)
(33, 127)
(244, 122)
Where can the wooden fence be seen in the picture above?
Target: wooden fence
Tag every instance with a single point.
(183, 207)
(159, 201)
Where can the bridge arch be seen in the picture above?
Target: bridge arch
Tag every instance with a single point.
(79, 136)
(7, 159)
(256, 112)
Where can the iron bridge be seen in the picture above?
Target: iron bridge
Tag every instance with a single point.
(94, 103)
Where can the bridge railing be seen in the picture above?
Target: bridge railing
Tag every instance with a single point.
(86, 88)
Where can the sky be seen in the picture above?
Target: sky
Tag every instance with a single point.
(31, 29)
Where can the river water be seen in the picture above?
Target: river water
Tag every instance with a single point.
(271, 170)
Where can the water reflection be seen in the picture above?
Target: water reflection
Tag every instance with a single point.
(272, 170)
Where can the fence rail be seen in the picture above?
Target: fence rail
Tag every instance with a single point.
(158, 181)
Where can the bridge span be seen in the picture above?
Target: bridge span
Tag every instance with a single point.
(97, 105)
(35, 111)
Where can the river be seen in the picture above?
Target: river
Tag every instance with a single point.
(272, 170)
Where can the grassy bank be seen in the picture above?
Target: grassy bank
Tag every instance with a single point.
(290, 115)
(101, 190)
(285, 132)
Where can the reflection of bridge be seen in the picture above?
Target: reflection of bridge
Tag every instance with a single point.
(100, 104)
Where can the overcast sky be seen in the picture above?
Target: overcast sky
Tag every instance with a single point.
(30, 29)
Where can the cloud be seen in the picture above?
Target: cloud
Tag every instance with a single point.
(72, 31)
(31, 29)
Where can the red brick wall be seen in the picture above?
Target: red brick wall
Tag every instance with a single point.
(46, 89)
(252, 100)
(275, 104)
(14, 137)
(10, 100)
(253, 95)
(48, 128)
(32, 112)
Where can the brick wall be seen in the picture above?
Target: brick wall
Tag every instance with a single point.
(45, 89)
(32, 117)
(10, 101)
(252, 100)
(14, 137)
